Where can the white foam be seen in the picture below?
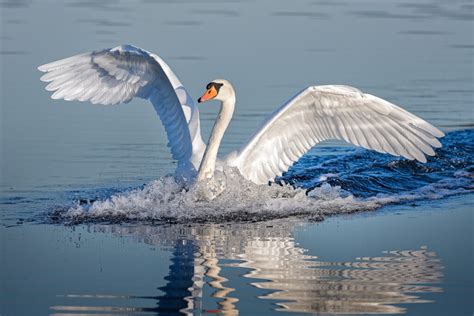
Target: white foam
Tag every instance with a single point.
(231, 196)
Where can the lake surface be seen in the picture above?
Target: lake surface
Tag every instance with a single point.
(92, 225)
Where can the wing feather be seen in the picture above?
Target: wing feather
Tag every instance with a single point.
(117, 75)
(321, 113)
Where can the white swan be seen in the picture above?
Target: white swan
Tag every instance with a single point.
(317, 113)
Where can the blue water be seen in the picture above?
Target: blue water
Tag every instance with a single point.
(92, 225)
(366, 173)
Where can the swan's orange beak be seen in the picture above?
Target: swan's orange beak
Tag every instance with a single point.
(210, 94)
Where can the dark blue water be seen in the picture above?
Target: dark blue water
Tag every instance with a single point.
(367, 173)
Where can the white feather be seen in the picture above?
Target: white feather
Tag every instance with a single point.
(333, 112)
(117, 75)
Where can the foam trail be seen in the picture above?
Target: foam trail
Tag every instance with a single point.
(358, 180)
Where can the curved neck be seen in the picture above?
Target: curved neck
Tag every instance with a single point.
(208, 163)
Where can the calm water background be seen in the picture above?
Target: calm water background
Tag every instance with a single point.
(418, 55)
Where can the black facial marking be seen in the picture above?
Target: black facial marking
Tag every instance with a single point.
(216, 85)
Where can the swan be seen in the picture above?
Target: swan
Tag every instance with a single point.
(315, 114)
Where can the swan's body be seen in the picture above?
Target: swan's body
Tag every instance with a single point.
(317, 113)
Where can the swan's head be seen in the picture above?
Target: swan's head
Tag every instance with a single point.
(218, 89)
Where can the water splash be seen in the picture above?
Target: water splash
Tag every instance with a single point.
(318, 185)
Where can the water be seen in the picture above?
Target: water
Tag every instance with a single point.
(401, 259)
(138, 244)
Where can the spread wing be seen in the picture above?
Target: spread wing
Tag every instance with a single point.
(321, 113)
(119, 74)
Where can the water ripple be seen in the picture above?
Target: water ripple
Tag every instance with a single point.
(304, 14)
(274, 264)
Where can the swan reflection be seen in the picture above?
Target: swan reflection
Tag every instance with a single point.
(289, 278)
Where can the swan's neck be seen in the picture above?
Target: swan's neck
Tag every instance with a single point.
(208, 163)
